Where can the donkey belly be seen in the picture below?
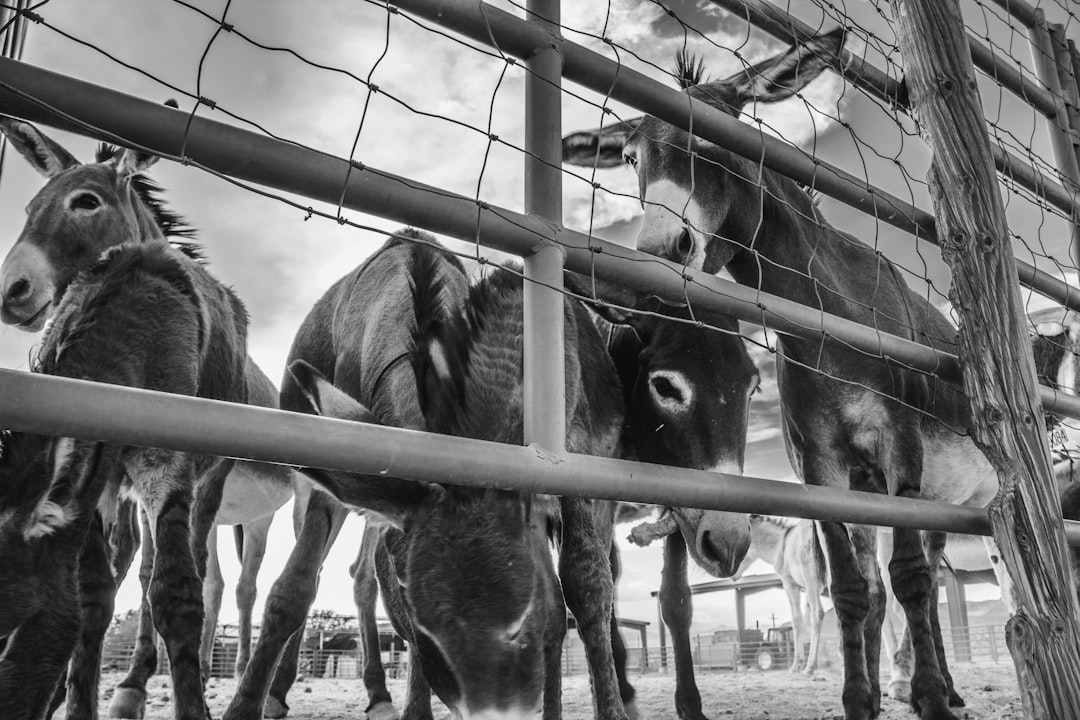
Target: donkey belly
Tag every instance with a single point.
(956, 471)
(252, 491)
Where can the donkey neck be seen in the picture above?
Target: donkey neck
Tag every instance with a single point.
(788, 249)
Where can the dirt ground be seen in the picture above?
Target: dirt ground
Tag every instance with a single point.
(989, 689)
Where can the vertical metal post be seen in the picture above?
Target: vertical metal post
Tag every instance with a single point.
(545, 374)
(1061, 135)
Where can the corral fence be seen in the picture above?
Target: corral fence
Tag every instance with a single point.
(979, 644)
(551, 52)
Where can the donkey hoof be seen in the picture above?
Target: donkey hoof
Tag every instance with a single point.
(955, 700)
(382, 711)
(900, 690)
(128, 704)
(632, 712)
(274, 708)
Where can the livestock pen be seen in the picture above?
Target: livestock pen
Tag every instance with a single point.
(937, 87)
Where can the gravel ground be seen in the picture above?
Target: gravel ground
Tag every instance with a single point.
(989, 689)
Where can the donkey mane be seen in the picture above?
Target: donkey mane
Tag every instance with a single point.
(689, 69)
(440, 335)
(455, 336)
(173, 225)
(91, 294)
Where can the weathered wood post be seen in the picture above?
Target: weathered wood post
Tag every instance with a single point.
(999, 373)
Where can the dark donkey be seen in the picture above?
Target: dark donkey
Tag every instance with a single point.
(82, 213)
(850, 421)
(482, 603)
(359, 335)
(144, 316)
(687, 392)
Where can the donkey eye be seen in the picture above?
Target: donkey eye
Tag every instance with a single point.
(630, 160)
(85, 201)
(666, 389)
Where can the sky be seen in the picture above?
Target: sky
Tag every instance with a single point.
(429, 87)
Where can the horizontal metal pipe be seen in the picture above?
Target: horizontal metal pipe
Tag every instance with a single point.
(862, 74)
(1019, 9)
(248, 156)
(95, 411)
(485, 24)
(1012, 79)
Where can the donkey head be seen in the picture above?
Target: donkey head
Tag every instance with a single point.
(81, 212)
(478, 580)
(45, 500)
(688, 398)
(474, 596)
(690, 188)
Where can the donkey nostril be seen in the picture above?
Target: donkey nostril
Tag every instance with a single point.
(686, 244)
(19, 290)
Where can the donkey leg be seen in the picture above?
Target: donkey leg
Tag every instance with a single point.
(586, 580)
(366, 595)
(897, 648)
(97, 591)
(816, 614)
(286, 608)
(677, 610)
(389, 551)
(618, 647)
(35, 657)
(129, 697)
(253, 550)
(794, 598)
(212, 590)
(850, 595)
(176, 600)
(912, 585)
(934, 544)
(863, 539)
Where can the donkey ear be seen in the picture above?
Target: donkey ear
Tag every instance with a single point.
(326, 399)
(613, 298)
(44, 154)
(783, 75)
(602, 146)
(133, 162)
(392, 498)
(72, 467)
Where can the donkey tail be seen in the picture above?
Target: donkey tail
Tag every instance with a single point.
(817, 555)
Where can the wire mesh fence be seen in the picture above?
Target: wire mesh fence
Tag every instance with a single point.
(836, 161)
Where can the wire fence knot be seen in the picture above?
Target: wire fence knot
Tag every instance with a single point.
(31, 16)
(207, 102)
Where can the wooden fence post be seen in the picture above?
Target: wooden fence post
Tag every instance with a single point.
(995, 353)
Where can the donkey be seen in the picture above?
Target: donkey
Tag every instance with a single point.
(359, 336)
(145, 316)
(51, 250)
(792, 548)
(1053, 347)
(687, 392)
(850, 421)
(482, 603)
